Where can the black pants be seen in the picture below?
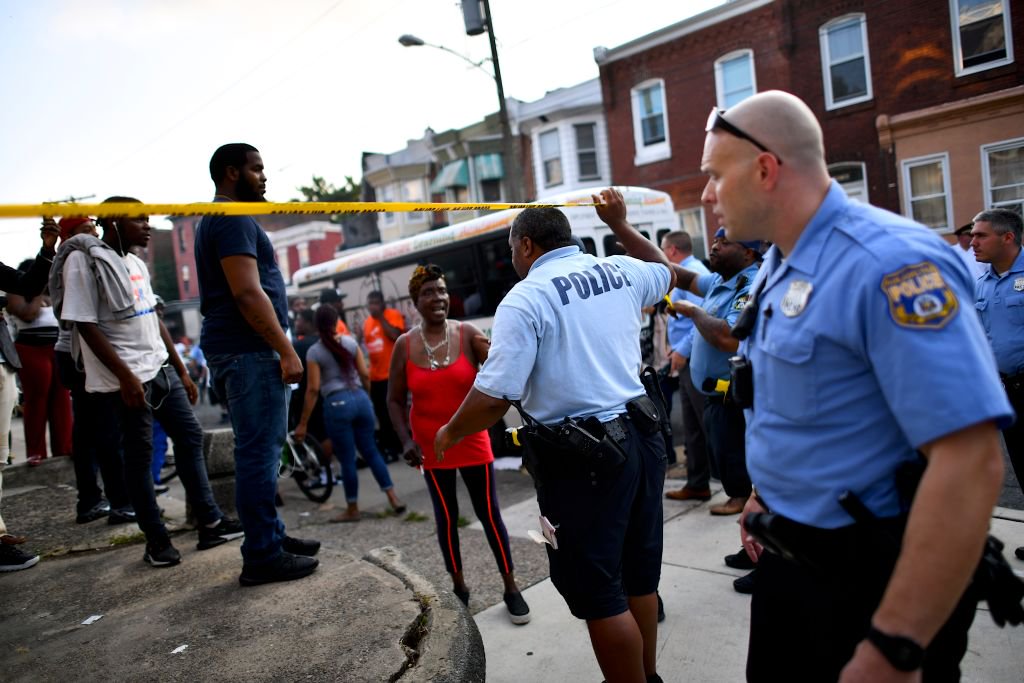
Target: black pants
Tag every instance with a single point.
(1014, 434)
(805, 625)
(387, 440)
(727, 429)
(479, 480)
(699, 467)
(92, 427)
(169, 404)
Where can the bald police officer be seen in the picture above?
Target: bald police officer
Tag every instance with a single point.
(996, 240)
(865, 350)
(564, 344)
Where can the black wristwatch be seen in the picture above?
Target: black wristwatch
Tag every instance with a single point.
(903, 653)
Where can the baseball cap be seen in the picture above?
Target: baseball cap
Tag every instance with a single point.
(749, 244)
(330, 296)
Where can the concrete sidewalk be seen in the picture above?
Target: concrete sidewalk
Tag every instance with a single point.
(704, 637)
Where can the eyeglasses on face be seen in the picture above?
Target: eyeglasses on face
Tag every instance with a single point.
(717, 121)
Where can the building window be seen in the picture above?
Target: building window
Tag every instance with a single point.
(551, 157)
(1002, 165)
(982, 37)
(691, 221)
(845, 65)
(586, 151)
(852, 178)
(186, 278)
(386, 193)
(734, 78)
(181, 238)
(490, 190)
(650, 123)
(926, 194)
(413, 191)
(303, 249)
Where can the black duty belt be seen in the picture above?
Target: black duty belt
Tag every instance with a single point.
(616, 428)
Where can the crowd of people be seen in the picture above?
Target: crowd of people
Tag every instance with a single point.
(832, 371)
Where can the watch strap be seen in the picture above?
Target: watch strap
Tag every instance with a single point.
(903, 653)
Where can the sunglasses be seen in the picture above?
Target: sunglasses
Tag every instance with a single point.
(716, 121)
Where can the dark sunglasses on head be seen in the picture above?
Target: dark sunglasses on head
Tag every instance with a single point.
(716, 121)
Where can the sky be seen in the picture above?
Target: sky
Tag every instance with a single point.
(131, 97)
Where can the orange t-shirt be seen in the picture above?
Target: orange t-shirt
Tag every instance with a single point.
(378, 345)
(342, 329)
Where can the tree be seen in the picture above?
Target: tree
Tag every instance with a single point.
(322, 191)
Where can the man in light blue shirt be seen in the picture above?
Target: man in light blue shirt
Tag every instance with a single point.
(996, 239)
(564, 344)
(863, 354)
(678, 248)
(725, 294)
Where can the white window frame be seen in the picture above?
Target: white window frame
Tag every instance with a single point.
(906, 165)
(958, 57)
(985, 175)
(413, 216)
(720, 85)
(659, 151)
(560, 156)
(387, 194)
(700, 241)
(863, 174)
(574, 126)
(826, 59)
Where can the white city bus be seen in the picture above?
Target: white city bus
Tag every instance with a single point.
(474, 256)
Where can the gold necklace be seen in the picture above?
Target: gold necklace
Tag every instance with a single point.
(434, 365)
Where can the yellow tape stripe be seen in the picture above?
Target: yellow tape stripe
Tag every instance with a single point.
(251, 208)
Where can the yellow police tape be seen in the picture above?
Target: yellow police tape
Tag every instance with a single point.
(113, 210)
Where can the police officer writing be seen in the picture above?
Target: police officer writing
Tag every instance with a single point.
(853, 373)
(996, 239)
(564, 348)
(725, 292)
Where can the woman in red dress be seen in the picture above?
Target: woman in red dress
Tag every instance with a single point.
(436, 363)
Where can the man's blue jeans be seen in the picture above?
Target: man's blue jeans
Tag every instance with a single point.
(257, 401)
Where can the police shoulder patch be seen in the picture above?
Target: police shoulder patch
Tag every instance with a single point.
(740, 302)
(919, 297)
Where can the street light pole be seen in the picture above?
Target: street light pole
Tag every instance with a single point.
(513, 177)
(512, 173)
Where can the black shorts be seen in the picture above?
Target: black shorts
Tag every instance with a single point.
(609, 530)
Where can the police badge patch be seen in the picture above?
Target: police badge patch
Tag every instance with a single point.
(795, 299)
(919, 297)
(1018, 284)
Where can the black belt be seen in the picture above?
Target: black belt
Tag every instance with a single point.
(617, 428)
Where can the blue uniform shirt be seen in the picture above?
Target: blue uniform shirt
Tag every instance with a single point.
(866, 347)
(724, 300)
(565, 340)
(1000, 304)
(225, 329)
(680, 328)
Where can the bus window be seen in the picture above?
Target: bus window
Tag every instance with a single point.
(498, 277)
(459, 276)
(661, 235)
(611, 244)
(589, 246)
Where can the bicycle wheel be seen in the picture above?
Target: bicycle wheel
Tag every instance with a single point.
(315, 480)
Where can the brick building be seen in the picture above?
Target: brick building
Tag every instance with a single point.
(920, 100)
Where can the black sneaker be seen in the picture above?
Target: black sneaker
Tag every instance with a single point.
(745, 584)
(160, 489)
(518, 610)
(97, 511)
(12, 559)
(161, 554)
(286, 567)
(739, 560)
(123, 516)
(227, 529)
(300, 546)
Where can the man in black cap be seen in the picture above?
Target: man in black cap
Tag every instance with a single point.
(332, 297)
(726, 290)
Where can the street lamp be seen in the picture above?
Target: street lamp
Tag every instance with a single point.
(511, 151)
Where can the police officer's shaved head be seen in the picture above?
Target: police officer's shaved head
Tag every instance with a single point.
(546, 228)
(785, 125)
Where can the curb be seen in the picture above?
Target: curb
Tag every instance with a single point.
(53, 470)
(444, 644)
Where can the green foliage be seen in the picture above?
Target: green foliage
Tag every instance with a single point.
(322, 191)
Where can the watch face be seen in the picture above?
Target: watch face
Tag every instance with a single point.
(903, 653)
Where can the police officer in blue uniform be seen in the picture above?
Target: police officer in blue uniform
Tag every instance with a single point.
(996, 239)
(861, 356)
(725, 293)
(564, 345)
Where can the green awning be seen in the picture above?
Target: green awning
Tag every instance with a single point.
(489, 167)
(453, 174)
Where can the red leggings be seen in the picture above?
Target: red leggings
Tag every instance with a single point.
(46, 399)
